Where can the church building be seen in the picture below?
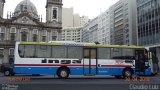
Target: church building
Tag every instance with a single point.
(24, 24)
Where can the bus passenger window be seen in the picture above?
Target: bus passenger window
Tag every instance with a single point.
(29, 51)
(75, 52)
(59, 52)
(21, 50)
(116, 53)
(103, 53)
(43, 51)
(93, 54)
(86, 53)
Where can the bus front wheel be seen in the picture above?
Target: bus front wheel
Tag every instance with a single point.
(8, 73)
(127, 73)
(63, 73)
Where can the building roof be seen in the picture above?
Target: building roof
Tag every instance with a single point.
(26, 6)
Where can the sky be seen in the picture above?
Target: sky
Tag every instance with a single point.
(91, 8)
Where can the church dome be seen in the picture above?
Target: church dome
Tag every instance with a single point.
(26, 6)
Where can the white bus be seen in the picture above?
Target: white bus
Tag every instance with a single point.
(71, 58)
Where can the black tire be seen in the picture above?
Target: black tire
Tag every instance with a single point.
(127, 73)
(118, 76)
(63, 73)
(7, 73)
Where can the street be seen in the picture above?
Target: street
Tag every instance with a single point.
(77, 82)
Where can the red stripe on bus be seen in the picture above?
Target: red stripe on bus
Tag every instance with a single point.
(48, 65)
(116, 65)
(70, 65)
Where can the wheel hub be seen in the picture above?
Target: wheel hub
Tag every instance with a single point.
(63, 73)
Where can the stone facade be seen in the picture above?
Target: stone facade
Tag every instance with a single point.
(26, 25)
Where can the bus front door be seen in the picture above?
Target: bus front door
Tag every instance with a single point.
(90, 61)
(140, 62)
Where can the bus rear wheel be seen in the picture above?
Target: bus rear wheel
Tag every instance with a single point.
(63, 73)
(127, 73)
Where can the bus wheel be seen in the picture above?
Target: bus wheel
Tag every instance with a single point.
(7, 73)
(127, 73)
(63, 73)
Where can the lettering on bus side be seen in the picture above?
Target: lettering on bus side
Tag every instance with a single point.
(76, 61)
(53, 61)
(44, 61)
(65, 61)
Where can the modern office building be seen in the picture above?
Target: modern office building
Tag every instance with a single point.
(72, 25)
(148, 25)
(104, 27)
(148, 18)
(76, 20)
(72, 34)
(25, 25)
(98, 29)
(67, 17)
(123, 22)
(90, 31)
(85, 33)
(84, 20)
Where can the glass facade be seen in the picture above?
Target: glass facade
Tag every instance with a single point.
(148, 18)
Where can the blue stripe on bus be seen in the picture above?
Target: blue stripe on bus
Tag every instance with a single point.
(74, 70)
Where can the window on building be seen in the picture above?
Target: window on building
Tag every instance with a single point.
(1, 51)
(13, 34)
(24, 36)
(34, 37)
(11, 51)
(35, 31)
(54, 38)
(2, 36)
(43, 38)
(44, 33)
(2, 33)
(54, 13)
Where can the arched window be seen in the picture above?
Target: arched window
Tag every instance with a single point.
(54, 13)
(23, 36)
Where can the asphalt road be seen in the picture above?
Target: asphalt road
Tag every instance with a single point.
(22, 82)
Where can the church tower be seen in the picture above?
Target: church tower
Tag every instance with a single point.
(54, 11)
(1, 7)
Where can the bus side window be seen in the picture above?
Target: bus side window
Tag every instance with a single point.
(21, 50)
(86, 53)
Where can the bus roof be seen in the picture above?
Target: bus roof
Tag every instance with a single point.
(80, 44)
